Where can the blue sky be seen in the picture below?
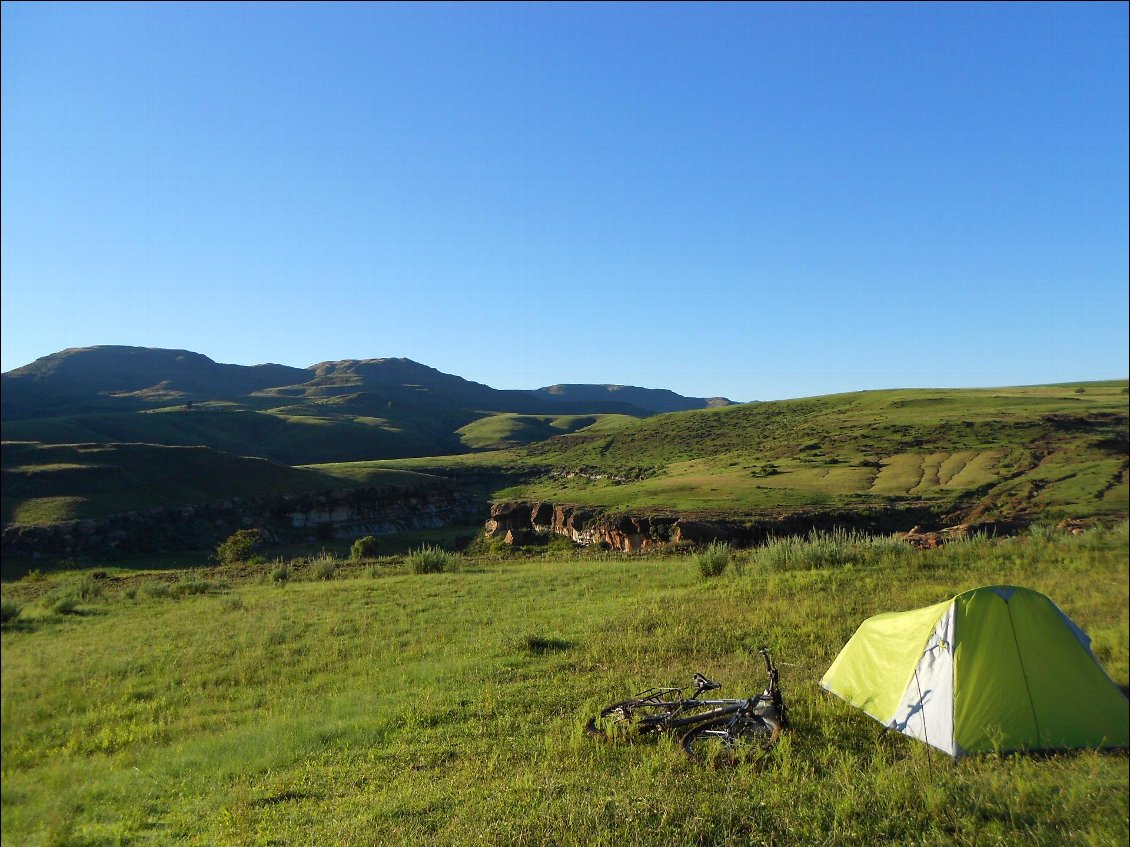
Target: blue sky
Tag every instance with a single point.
(757, 201)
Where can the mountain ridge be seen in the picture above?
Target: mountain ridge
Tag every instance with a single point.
(151, 376)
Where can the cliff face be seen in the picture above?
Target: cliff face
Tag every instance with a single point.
(522, 522)
(346, 513)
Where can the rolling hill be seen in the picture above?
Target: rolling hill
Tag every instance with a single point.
(105, 440)
(1023, 453)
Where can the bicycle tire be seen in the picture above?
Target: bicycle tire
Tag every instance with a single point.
(625, 718)
(718, 743)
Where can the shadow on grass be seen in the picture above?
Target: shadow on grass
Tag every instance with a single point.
(285, 797)
(538, 646)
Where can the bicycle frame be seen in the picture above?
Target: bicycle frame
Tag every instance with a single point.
(768, 703)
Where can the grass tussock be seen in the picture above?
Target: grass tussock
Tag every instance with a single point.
(432, 559)
(713, 561)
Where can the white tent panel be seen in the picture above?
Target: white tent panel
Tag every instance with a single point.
(926, 709)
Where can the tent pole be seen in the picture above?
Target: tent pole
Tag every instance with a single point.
(925, 736)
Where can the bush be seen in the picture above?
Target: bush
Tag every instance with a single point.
(364, 548)
(712, 561)
(9, 611)
(281, 573)
(86, 587)
(238, 547)
(381, 566)
(156, 589)
(430, 559)
(192, 584)
(233, 603)
(64, 604)
(324, 568)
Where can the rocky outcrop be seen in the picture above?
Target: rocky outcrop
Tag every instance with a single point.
(523, 522)
(345, 513)
(929, 540)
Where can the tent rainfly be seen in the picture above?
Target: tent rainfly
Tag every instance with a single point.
(998, 668)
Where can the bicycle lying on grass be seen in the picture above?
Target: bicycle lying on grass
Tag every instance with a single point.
(720, 731)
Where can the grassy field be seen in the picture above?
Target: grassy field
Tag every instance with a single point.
(363, 704)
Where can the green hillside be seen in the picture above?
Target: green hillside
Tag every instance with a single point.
(496, 432)
(50, 483)
(996, 453)
(1021, 453)
(315, 432)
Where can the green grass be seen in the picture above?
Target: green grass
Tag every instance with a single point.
(428, 709)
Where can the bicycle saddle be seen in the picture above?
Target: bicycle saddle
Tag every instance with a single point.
(705, 684)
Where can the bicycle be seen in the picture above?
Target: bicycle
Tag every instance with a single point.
(720, 731)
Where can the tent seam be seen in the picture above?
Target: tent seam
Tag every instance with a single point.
(1024, 673)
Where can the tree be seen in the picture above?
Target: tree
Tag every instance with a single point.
(239, 546)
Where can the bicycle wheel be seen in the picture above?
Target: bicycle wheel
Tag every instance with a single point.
(628, 717)
(721, 744)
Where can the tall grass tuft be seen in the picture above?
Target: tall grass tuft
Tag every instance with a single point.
(834, 549)
(430, 559)
(712, 561)
(9, 611)
(323, 566)
(1043, 532)
(190, 583)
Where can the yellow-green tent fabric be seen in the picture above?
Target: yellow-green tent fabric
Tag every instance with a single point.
(998, 668)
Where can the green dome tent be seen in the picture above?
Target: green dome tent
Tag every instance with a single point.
(998, 668)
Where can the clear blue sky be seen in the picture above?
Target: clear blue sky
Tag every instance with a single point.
(756, 201)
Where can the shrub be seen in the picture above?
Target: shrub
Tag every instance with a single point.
(712, 561)
(281, 573)
(9, 611)
(364, 548)
(86, 587)
(233, 603)
(324, 568)
(430, 559)
(64, 604)
(238, 547)
(156, 589)
(192, 584)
